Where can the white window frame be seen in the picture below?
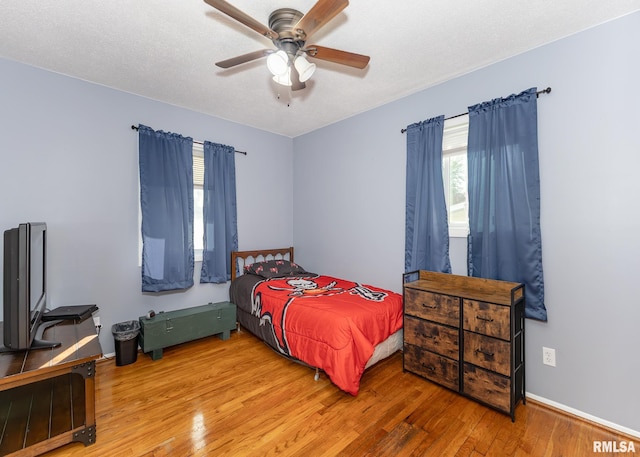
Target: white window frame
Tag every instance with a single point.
(454, 143)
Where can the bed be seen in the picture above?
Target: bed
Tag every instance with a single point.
(336, 326)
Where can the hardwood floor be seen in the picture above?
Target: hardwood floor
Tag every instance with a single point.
(237, 397)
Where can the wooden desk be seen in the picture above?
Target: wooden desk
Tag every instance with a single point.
(47, 396)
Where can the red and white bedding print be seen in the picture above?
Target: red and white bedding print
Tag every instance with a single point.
(328, 323)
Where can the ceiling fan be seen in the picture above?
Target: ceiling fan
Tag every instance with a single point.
(289, 31)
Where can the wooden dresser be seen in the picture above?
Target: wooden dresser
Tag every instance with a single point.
(466, 334)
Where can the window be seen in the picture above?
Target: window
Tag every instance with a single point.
(198, 201)
(454, 174)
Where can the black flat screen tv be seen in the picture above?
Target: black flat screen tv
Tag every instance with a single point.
(25, 287)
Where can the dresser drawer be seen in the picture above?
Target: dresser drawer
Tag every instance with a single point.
(486, 352)
(444, 309)
(487, 318)
(488, 387)
(434, 337)
(432, 366)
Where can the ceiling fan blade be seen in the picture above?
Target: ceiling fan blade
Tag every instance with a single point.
(243, 18)
(244, 58)
(319, 14)
(296, 84)
(334, 55)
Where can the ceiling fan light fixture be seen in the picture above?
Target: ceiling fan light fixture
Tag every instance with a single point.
(283, 79)
(304, 67)
(289, 31)
(278, 63)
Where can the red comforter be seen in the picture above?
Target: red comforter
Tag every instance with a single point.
(328, 323)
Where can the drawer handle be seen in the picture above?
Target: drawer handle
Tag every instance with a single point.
(488, 354)
(429, 367)
(482, 318)
(424, 305)
(431, 337)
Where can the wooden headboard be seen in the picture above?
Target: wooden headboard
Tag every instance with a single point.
(241, 258)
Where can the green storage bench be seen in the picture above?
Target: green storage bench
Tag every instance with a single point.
(169, 328)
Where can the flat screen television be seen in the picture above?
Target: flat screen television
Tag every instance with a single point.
(25, 287)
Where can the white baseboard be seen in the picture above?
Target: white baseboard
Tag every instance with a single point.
(112, 355)
(583, 415)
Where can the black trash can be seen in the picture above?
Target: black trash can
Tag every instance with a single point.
(125, 337)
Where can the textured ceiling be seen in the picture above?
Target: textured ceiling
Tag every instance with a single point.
(165, 50)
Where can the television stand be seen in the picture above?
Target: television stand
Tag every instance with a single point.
(32, 381)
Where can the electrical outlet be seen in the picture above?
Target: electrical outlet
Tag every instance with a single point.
(96, 321)
(549, 356)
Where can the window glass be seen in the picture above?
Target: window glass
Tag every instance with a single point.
(454, 173)
(198, 198)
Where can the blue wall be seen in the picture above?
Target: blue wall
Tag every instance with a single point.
(69, 157)
(349, 206)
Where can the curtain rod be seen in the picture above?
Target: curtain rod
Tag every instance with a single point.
(540, 92)
(134, 127)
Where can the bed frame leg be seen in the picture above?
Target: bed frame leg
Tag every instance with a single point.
(316, 377)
